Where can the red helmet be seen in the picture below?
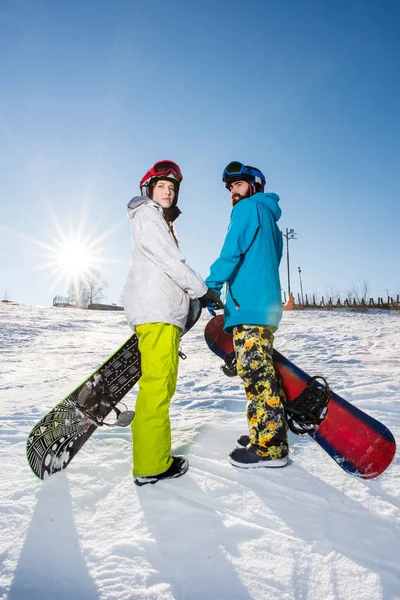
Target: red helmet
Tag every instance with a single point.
(163, 169)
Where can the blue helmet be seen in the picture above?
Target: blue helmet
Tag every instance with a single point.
(237, 171)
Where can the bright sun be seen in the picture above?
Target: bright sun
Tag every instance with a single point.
(73, 254)
(74, 258)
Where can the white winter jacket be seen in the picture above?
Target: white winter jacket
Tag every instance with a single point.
(159, 282)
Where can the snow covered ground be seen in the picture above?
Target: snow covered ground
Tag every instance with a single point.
(308, 531)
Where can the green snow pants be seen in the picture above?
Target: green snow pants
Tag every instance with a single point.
(151, 428)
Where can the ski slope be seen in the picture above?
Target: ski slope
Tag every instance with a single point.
(306, 532)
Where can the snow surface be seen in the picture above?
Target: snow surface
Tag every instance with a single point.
(309, 531)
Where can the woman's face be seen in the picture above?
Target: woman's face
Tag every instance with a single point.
(164, 193)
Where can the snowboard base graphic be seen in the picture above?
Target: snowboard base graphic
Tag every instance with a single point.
(358, 443)
(61, 433)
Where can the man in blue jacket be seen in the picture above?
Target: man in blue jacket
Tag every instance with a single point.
(249, 265)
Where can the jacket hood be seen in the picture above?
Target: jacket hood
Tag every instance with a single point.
(136, 202)
(271, 200)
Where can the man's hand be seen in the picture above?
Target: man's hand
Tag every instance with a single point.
(211, 301)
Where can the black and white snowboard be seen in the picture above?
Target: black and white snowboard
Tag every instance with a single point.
(61, 433)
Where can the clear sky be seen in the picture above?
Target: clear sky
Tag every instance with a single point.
(93, 92)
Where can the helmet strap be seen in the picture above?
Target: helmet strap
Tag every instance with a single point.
(252, 188)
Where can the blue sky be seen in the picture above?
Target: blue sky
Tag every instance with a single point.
(94, 92)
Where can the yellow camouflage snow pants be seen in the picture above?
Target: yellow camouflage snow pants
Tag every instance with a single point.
(151, 428)
(265, 396)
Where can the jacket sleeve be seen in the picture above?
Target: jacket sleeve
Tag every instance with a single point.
(156, 243)
(242, 230)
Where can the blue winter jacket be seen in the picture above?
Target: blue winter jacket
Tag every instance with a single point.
(249, 263)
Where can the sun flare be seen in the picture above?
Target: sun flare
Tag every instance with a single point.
(73, 254)
(74, 258)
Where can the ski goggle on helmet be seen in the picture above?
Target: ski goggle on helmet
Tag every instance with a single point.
(163, 169)
(237, 171)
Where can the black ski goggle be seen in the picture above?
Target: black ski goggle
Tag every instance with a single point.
(236, 168)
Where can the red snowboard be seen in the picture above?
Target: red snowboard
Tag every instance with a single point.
(359, 444)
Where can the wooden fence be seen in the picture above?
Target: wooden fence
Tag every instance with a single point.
(352, 304)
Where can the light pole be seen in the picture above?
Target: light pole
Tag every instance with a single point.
(301, 286)
(289, 235)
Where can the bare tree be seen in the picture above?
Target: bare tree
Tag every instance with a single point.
(365, 290)
(332, 292)
(359, 291)
(95, 287)
(77, 294)
(349, 293)
(88, 290)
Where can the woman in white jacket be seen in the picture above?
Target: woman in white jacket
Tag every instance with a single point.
(156, 300)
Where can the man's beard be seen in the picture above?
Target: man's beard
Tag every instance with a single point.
(238, 197)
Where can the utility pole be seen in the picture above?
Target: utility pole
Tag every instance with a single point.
(301, 287)
(289, 235)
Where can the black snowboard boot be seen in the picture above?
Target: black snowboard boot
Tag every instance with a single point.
(247, 458)
(178, 467)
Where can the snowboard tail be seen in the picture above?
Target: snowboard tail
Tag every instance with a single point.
(358, 443)
(61, 433)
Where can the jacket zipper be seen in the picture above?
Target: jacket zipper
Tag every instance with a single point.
(236, 303)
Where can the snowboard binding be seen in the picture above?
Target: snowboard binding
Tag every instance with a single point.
(306, 412)
(95, 402)
(230, 366)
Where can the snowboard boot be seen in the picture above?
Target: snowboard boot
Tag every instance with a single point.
(247, 458)
(178, 467)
